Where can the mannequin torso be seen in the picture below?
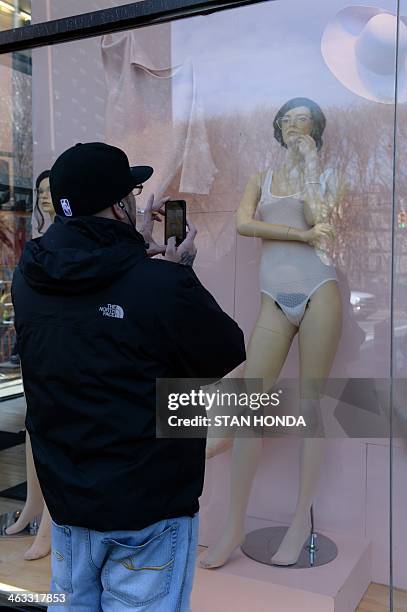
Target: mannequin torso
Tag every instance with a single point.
(290, 272)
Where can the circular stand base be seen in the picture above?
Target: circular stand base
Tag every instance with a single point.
(262, 544)
(8, 519)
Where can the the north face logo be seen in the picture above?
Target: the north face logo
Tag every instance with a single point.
(112, 310)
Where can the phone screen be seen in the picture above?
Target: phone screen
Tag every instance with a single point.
(175, 220)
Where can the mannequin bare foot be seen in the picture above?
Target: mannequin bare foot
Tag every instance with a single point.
(217, 446)
(293, 542)
(41, 548)
(27, 515)
(42, 543)
(217, 555)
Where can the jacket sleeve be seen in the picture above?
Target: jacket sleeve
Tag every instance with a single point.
(204, 341)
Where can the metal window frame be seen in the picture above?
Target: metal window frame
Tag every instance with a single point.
(97, 23)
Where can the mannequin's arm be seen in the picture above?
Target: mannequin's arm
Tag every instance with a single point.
(246, 225)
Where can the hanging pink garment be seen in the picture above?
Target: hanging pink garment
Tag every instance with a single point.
(153, 111)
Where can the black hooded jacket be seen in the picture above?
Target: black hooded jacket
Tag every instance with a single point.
(97, 322)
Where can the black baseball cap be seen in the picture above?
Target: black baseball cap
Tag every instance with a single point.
(90, 177)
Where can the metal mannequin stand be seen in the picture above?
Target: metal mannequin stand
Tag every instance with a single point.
(9, 518)
(261, 544)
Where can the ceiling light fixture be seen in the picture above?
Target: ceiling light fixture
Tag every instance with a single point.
(6, 7)
(25, 16)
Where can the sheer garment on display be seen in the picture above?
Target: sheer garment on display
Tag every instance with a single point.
(290, 272)
(152, 101)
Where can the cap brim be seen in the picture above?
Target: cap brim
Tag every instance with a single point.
(141, 174)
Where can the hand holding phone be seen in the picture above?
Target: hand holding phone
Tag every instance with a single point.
(153, 212)
(186, 252)
(176, 221)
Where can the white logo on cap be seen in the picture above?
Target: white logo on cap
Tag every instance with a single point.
(66, 207)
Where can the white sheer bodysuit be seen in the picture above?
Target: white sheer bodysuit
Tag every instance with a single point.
(290, 271)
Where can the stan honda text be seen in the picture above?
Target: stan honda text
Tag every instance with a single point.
(251, 420)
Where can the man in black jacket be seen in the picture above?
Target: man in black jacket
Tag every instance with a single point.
(98, 321)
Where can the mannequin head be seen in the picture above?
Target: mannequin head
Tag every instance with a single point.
(43, 202)
(299, 117)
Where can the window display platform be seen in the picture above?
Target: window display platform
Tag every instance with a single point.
(214, 590)
(16, 573)
(244, 584)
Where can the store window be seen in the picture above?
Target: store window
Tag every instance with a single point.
(47, 10)
(212, 101)
(14, 14)
(16, 195)
(265, 94)
(399, 323)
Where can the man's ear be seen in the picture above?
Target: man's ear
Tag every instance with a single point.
(119, 210)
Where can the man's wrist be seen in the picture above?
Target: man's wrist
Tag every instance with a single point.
(187, 259)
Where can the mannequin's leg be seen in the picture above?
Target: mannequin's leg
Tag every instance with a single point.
(42, 543)
(34, 506)
(267, 351)
(319, 335)
(217, 446)
(312, 452)
(35, 502)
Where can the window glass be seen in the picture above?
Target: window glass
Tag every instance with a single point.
(14, 13)
(47, 10)
(399, 323)
(16, 195)
(291, 103)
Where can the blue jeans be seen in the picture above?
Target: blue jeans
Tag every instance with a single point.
(150, 570)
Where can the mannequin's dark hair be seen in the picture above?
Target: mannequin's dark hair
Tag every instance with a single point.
(318, 120)
(38, 214)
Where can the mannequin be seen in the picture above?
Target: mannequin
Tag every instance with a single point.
(301, 186)
(35, 504)
(43, 204)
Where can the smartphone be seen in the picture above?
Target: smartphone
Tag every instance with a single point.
(176, 220)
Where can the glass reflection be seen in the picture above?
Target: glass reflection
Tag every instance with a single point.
(199, 99)
(398, 329)
(14, 14)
